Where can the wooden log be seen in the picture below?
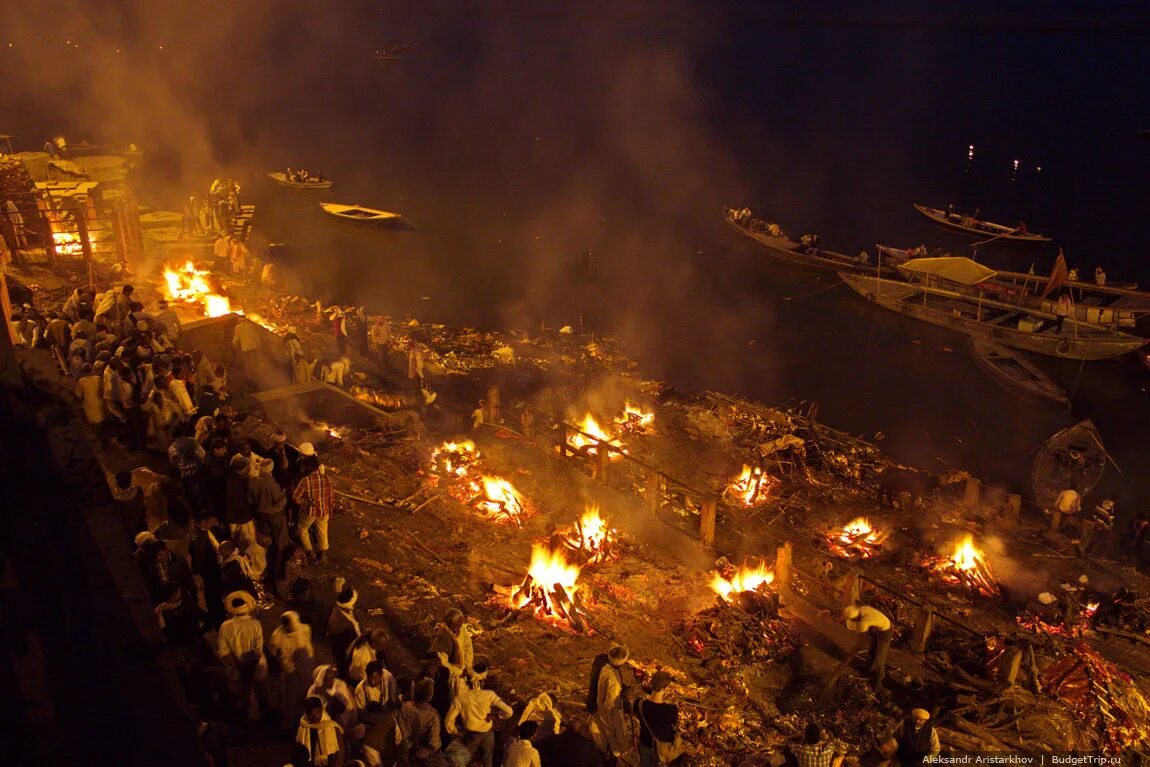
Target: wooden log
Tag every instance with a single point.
(973, 492)
(923, 626)
(603, 453)
(707, 521)
(654, 495)
(783, 572)
(1008, 670)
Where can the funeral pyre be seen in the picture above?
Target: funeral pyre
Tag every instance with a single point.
(751, 488)
(67, 244)
(634, 419)
(192, 286)
(551, 590)
(857, 539)
(458, 465)
(744, 624)
(966, 566)
(590, 435)
(591, 540)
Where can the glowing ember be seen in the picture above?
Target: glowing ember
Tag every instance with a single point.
(592, 537)
(67, 244)
(745, 578)
(751, 487)
(635, 420)
(454, 459)
(858, 538)
(580, 442)
(966, 566)
(550, 588)
(192, 286)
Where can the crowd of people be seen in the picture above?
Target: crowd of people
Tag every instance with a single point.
(300, 176)
(215, 212)
(229, 527)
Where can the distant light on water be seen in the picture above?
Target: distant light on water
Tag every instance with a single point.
(970, 152)
(1016, 166)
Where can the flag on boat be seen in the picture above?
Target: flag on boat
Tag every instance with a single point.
(1057, 275)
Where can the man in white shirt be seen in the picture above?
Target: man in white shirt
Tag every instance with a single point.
(520, 752)
(473, 706)
(241, 648)
(377, 686)
(1067, 505)
(869, 622)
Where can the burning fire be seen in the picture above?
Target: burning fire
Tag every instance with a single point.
(585, 444)
(67, 244)
(191, 285)
(387, 400)
(592, 537)
(745, 578)
(752, 486)
(634, 419)
(968, 566)
(858, 538)
(454, 459)
(498, 499)
(550, 588)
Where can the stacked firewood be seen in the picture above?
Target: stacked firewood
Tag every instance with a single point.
(552, 602)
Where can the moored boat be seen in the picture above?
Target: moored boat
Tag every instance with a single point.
(1072, 458)
(779, 245)
(359, 213)
(1018, 327)
(978, 227)
(1016, 373)
(283, 180)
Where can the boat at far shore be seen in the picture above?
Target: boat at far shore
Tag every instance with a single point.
(283, 180)
(1016, 373)
(359, 214)
(1072, 458)
(978, 227)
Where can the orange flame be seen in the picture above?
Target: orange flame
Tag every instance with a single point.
(590, 446)
(501, 500)
(67, 244)
(634, 418)
(454, 458)
(746, 578)
(752, 486)
(592, 537)
(548, 567)
(191, 285)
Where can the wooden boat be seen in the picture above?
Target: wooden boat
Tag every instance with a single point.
(978, 227)
(782, 247)
(1002, 322)
(283, 180)
(1016, 373)
(1074, 457)
(359, 213)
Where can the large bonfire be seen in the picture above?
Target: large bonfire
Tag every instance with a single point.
(551, 590)
(590, 436)
(592, 539)
(966, 566)
(189, 285)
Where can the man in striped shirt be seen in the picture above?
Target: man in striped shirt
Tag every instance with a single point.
(315, 497)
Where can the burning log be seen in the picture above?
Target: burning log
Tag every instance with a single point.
(634, 420)
(590, 434)
(751, 488)
(497, 499)
(858, 538)
(730, 580)
(591, 538)
(551, 590)
(454, 459)
(967, 566)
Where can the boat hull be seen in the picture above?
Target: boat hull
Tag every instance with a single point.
(997, 232)
(1056, 468)
(903, 298)
(792, 252)
(282, 180)
(1032, 384)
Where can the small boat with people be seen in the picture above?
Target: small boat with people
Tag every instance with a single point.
(300, 179)
(806, 252)
(978, 227)
(360, 214)
(1074, 458)
(1015, 373)
(957, 293)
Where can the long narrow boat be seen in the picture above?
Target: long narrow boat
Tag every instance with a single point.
(1016, 373)
(359, 213)
(283, 180)
(782, 247)
(1002, 322)
(978, 227)
(1072, 458)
